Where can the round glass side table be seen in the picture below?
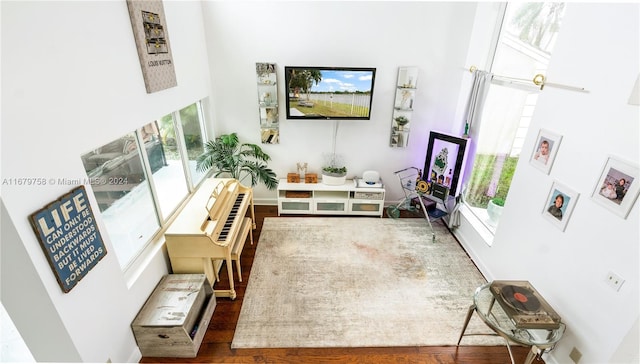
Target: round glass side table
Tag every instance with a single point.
(495, 317)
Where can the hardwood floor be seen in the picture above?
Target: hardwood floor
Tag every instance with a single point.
(216, 346)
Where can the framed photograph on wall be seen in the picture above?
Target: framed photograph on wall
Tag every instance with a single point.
(618, 186)
(545, 150)
(559, 205)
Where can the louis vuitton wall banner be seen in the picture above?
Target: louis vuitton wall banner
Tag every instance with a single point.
(152, 42)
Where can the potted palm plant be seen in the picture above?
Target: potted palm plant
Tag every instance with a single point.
(230, 158)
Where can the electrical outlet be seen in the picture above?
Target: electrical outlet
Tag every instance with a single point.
(575, 355)
(614, 280)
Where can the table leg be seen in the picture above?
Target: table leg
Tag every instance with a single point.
(513, 361)
(466, 322)
(493, 300)
(532, 355)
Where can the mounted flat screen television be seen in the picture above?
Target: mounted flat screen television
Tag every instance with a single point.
(329, 93)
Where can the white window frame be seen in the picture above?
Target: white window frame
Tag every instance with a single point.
(140, 260)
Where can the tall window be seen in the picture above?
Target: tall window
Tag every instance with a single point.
(193, 136)
(169, 179)
(141, 178)
(527, 37)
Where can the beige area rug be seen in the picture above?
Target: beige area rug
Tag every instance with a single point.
(358, 282)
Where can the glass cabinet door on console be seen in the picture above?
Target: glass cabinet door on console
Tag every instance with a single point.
(366, 207)
(295, 206)
(366, 202)
(295, 202)
(331, 202)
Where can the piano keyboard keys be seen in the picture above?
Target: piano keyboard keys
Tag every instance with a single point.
(224, 233)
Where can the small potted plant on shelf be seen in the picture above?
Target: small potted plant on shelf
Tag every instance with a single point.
(494, 209)
(401, 121)
(230, 158)
(334, 172)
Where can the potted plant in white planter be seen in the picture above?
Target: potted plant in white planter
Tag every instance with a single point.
(494, 209)
(334, 175)
(334, 172)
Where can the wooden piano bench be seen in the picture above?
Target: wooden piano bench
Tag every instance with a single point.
(236, 251)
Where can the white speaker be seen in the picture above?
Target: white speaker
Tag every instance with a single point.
(370, 177)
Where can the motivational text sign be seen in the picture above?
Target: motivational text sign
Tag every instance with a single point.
(69, 236)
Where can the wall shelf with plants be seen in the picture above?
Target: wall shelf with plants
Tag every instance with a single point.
(268, 103)
(403, 106)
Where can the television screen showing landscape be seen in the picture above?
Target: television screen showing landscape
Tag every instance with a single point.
(339, 93)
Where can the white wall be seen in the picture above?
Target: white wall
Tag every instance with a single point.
(593, 51)
(83, 87)
(71, 81)
(78, 85)
(434, 36)
(598, 48)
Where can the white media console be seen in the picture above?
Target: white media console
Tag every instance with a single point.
(318, 198)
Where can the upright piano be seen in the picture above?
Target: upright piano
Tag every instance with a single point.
(207, 229)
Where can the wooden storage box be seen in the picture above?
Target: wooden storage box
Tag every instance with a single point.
(173, 321)
(298, 194)
(311, 178)
(293, 178)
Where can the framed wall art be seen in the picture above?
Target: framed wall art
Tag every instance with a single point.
(559, 205)
(69, 236)
(545, 150)
(618, 186)
(152, 43)
(444, 161)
